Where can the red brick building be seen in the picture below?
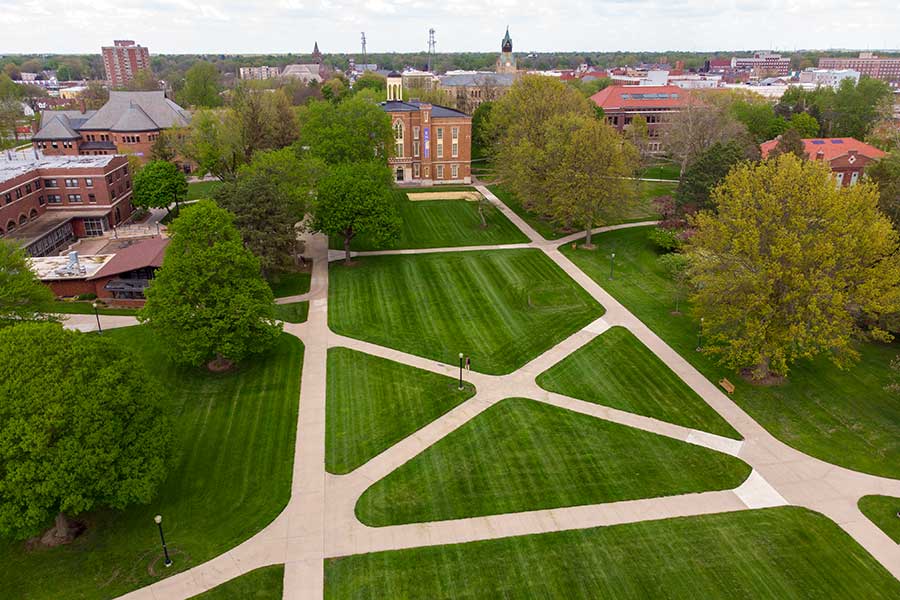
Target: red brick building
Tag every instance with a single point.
(656, 103)
(129, 123)
(432, 144)
(123, 60)
(847, 157)
(886, 69)
(48, 203)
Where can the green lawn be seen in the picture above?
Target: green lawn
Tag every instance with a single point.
(290, 283)
(87, 308)
(231, 475)
(883, 511)
(663, 170)
(772, 553)
(523, 455)
(642, 210)
(442, 224)
(202, 189)
(373, 403)
(501, 307)
(295, 312)
(617, 370)
(844, 417)
(265, 583)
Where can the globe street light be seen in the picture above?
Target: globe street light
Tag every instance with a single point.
(700, 335)
(460, 370)
(158, 519)
(612, 258)
(97, 314)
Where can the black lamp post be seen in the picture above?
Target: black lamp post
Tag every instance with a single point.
(700, 335)
(460, 370)
(612, 259)
(162, 538)
(97, 314)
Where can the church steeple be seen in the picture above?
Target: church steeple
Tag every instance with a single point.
(506, 62)
(506, 44)
(316, 55)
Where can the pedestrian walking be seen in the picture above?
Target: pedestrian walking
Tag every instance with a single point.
(468, 363)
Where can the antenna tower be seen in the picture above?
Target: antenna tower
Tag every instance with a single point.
(431, 44)
(365, 60)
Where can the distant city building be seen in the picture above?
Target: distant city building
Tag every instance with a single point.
(621, 103)
(304, 72)
(847, 157)
(123, 60)
(763, 64)
(433, 144)
(129, 123)
(414, 79)
(28, 77)
(47, 203)
(264, 72)
(868, 64)
(506, 62)
(829, 77)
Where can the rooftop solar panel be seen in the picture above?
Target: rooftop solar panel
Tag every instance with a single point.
(818, 142)
(837, 141)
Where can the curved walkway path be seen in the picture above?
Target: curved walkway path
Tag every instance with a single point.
(319, 520)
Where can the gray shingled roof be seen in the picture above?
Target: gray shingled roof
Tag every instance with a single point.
(56, 127)
(413, 106)
(477, 79)
(161, 112)
(134, 119)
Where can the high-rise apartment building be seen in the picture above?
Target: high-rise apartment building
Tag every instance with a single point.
(876, 67)
(123, 60)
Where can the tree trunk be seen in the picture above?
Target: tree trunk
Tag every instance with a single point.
(62, 526)
(587, 238)
(347, 238)
(62, 532)
(481, 214)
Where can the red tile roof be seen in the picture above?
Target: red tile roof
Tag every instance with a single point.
(640, 96)
(831, 148)
(147, 253)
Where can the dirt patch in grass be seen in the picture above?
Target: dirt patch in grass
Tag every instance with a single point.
(468, 196)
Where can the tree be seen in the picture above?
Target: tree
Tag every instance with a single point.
(790, 142)
(675, 266)
(480, 126)
(166, 145)
(355, 198)
(707, 170)
(886, 174)
(214, 143)
(336, 89)
(143, 80)
(791, 266)
(158, 184)
(22, 296)
(588, 184)
(804, 124)
(356, 130)
(80, 427)
(95, 96)
(370, 81)
(638, 133)
(268, 198)
(208, 303)
(201, 86)
(856, 107)
(704, 120)
(760, 119)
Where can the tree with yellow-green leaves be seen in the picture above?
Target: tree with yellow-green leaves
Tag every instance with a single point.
(790, 267)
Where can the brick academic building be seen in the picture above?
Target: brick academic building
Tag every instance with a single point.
(656, 103)
(47, 203)
(432, 144)
(885, 69)
(846, 157)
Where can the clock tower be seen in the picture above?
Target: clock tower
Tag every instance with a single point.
(506, 63)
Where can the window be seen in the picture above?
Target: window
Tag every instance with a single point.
(854, 177)
(54, 199)
(92, 198)
(454, 142)
(426, 117)
(454, 171)
(416, 148)
(440, 134)
(7, 197)
(18, 193)
(53, 144)
(427, 172)
(398, 138)
(40, 201)
(416, 132)
(416, 170)
(89, 182)
(95, 227)
(71, 183)
(840, 179)
(74, 198)
(37, 184)
(440, 171)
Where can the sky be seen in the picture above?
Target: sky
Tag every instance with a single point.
(281, 26)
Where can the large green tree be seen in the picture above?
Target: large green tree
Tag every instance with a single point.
(705, 119)
(886, 174)
(201, 86)
(707, 170)
(790, 266)
(158, 184)
(355, 130)
(269, 197)
(588, 185)
(355, 198)
(208, 303)
(22, 296)
(80, 427)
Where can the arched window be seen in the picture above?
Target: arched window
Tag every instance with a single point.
(33, 214)
(22, 219)
(398, 138)
(10, 226)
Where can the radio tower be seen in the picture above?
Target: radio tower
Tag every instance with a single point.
(365, 60)
(431, 44)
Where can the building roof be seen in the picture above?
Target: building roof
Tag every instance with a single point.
(477, 79)
(56, 127)
(54, 268)
(134, 119)
(140, 255)
(640, 96)
(10, 169)
(831, 148)
(437, 111)
(160, 112)
(307, 71)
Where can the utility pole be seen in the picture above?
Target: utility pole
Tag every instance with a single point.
(431, 45)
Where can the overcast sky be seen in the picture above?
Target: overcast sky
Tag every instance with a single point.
(279, 26)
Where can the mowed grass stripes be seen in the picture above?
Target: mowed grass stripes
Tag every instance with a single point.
(372, 403)
(521, 455)
(617, 370)
(230, 476)
(501, 307)
(443, 224)
(782, 552)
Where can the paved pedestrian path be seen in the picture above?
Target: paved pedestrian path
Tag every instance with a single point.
(320, 522)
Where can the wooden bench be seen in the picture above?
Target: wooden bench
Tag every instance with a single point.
(727, 385)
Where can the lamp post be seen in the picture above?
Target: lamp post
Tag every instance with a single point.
(700, 335)
(460, 370)
(612, 259)
(162, 538)
(97, 314)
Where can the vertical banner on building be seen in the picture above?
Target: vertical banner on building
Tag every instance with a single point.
(426, 137)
